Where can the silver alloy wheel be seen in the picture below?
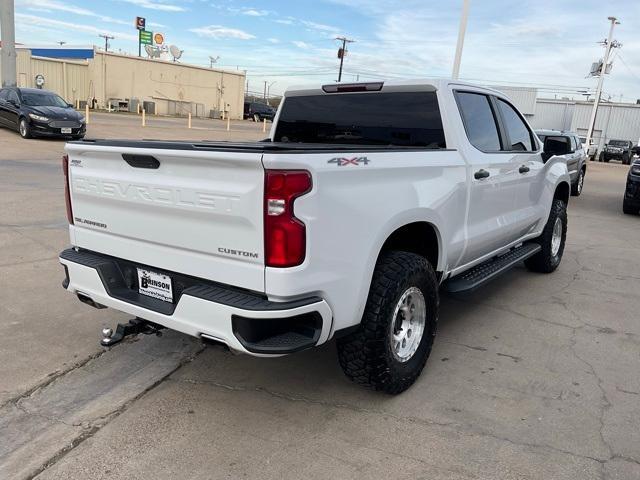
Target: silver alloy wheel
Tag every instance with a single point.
(407, 325)
(556, 237)
(580, 181)
(23, 128)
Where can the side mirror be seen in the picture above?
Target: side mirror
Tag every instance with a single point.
(70, 105)
(555, 146)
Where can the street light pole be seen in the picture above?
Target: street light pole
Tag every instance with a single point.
(8, 57)
(592, 121)
(461, 34)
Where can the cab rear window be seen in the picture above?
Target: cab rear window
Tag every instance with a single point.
(400, 118)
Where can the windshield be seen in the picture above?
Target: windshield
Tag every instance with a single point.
(42, 100)
(401, 118)
(583, 140)
(619, 143)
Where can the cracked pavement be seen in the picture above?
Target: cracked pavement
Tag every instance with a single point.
(531, 377)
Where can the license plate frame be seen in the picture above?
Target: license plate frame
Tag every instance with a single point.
(66, 130)
(155, 285)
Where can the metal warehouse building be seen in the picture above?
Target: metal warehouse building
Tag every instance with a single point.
(102, 78)
(620, 121)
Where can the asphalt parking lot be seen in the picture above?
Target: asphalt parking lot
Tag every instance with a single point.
(532, 377)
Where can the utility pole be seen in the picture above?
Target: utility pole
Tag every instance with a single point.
(106, 41)
(8, 51)
(264, 95)
(342, 52)
(213, 60)
(592, 121)
(268, 90)
(461, 33)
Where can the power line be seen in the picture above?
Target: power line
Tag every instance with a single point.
(106, 41)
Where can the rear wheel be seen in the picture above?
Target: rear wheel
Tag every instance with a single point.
(552, 241)
(394, 340)
(24, 129)
(576, 188)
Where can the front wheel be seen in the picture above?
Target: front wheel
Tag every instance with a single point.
(24, 129)
(576, 188)
(628, 209)
(552, 240)
(394, 339)
(626, 159)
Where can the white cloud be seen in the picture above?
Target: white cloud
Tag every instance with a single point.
(319, 26)
(161, 5)
(252, 12)
(48, 6)
(273, 40)
(300, 44)
(62, 25)
(284, 21)
(218, 31)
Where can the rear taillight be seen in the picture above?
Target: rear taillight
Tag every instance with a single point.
(284, 234)
(67, 188)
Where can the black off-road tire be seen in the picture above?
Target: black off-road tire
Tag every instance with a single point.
(576, 188)
(366, 355)
(544, 261)
(628, 209)
(626, 158)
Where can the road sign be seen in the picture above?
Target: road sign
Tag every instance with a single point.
(140, 23)
(146, 37)
(158, 38)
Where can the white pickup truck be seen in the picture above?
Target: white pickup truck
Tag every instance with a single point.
(366, 200)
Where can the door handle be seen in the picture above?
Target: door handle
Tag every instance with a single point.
(482, 173)
(523, 169)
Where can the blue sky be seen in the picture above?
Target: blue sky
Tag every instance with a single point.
(546, 43)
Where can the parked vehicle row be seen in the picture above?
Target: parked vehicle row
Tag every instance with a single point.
(39, 113)
(366, 200)
(576, 157)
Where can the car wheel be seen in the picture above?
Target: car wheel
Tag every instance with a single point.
(256, 117)
(24, 129)
(78, 137)
(576, 188)
(552, 241)
(394, 339)
(628, 209)
(601, 157)
(626, 159)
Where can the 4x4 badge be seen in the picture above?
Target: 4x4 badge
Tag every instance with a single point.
(343, 162)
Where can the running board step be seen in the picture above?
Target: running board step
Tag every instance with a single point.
(487, 271)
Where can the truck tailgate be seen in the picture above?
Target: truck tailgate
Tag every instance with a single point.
(199, 213)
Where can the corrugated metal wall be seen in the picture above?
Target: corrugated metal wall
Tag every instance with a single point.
(620, 121)
(524, 98)
(552, 116)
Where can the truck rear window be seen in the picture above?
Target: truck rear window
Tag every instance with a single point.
(398, 118)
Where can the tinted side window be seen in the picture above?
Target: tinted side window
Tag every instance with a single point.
(518, 132)
(479, 121)
(4, 94)
(13, 96)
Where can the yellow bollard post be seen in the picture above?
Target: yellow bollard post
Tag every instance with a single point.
(264, 125)
(138, 109)
(86, 113)
(109, 106)
(228, 123)
(189, 121)
(77, 104)
(144, 123)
